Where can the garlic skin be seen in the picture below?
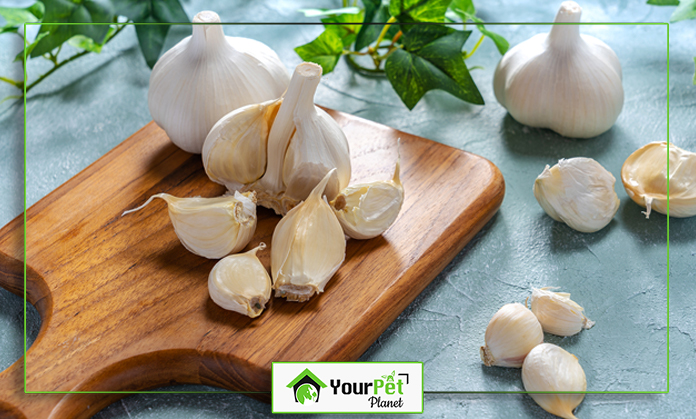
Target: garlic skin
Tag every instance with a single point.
(511, 334)
(211, 227)
(564, 81)
(557, 313)
(304, 144)
(551, 368)
(308, 247)
(579, 192)
(644, 176)
(367, 210)
(241, 283)
(207, 75)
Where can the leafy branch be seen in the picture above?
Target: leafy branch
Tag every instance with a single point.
(686, 9)
(405, 41)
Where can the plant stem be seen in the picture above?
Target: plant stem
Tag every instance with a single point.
(467, 56)
(384, 30)
(364, 70)
(15, 83)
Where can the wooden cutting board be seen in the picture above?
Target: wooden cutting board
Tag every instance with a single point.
(125, 307)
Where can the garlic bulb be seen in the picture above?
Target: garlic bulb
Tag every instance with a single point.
(240, 283)
(511, 334)
(578, 192)
(551, 368)
(308, 247)
(207, 75)
(562, 80)
(557, 313)
(304, 144)
(211, 227)
(367, 210)
(644, 175)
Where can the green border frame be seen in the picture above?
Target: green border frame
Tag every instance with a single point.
(318, 23)
(353, 413)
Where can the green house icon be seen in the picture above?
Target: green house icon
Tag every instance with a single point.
(306, 387)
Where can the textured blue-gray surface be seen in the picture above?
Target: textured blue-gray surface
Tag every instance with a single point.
(617, 274)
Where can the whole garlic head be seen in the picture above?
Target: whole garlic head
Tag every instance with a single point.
(557, 313)
(565, 81)
(579, 192)
(211, 227)
(367, 210)
(207, 75)
(241, 283)
(511, 334)
(551, 368)
(644, 175)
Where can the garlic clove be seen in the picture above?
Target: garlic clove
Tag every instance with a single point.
(234, 152)
(211, 227)
(241, 283)
(308, 247)
(208, 75)
(511, 334)
(551, 368)
(557, 313)
(564, 81)
(644, 176)
(579, 192)
(367, 210)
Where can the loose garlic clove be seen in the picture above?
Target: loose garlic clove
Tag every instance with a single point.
(644, 176)
(211, 227)
(308, 247)
(578, 192)
(207, 75)
(551, 368)
(511, 334)
(557, 313)
(562, 80)
(367, 210)
(240, 283)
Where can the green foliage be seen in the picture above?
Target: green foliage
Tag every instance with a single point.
(684, 11)
(466, 11)
(664, 2)
(324, 50)
(16, 16)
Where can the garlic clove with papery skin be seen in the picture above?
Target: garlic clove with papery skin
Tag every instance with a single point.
(644, 176)
(208, 75)
(308, 247)
(579, 192)
(512, 332)
(241, 283)
(557, 313)
(564, 81)
(551, 368)
(211, 227)
(367, 210)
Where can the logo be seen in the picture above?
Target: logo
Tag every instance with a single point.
(306, 387)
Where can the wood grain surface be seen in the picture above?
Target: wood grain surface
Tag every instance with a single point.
(125, 307)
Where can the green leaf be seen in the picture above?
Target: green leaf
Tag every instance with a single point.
(458, 7)
(151, 37)
(664, 2)
(463, 7)
(685, 10)
(87, 44)
(16, 16)
(375, 12)
(431, 59)
(329, 12)
(419, 10)
(325, 50)
(30, 47)
(345, 26)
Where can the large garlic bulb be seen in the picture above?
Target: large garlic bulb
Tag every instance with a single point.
(207, 75)
(562, 80)
(644, 175)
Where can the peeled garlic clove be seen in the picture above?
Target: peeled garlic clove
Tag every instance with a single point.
(308, 247)
(211, 227)
(578, 192)
(557, 313)
(511, 334)
(644, 175)
(367, 210)
(562, 80)
(304, 144)
(240, 283)
(551, 368)
(234, 152)
(207, 75)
